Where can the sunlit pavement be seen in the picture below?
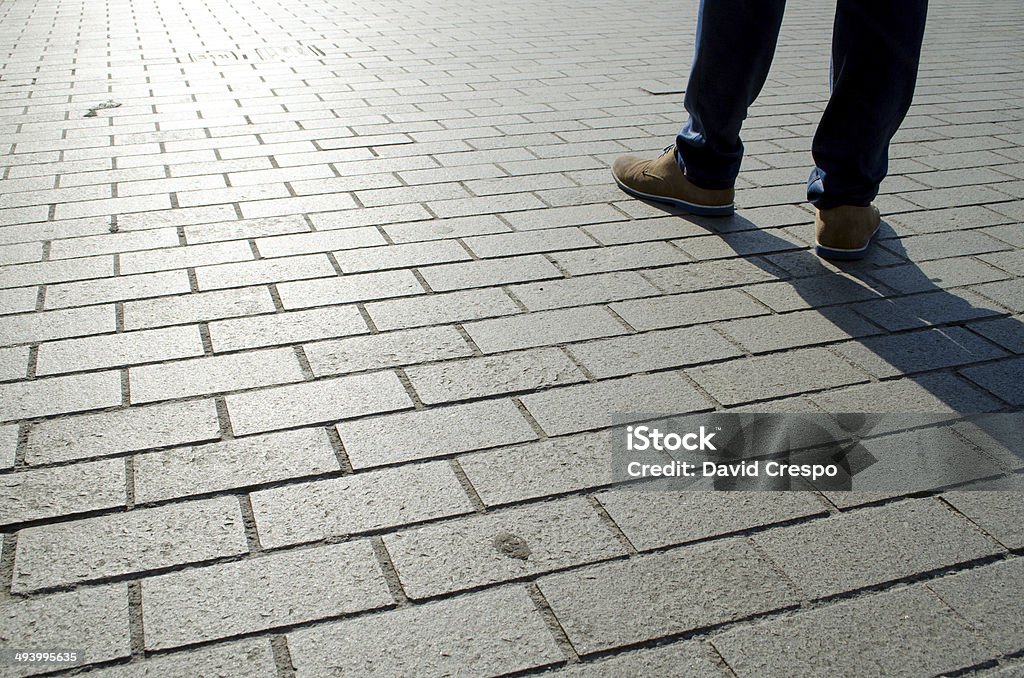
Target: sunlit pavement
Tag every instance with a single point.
(316, 316)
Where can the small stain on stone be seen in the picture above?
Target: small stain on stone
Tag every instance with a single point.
(512, 545)
(99, 107)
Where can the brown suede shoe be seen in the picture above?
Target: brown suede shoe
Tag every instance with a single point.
(845, 232)
(662, 180)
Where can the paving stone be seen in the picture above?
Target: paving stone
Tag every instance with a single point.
(996, 511)
(348, 289)
(1007, 332)
(242, 229)
(50, 272)
(926, 393)
(1007, 293)
(14, 363)
(764, 334)
(528, 242)
(521, 542)
(663, 594)
(365, 502)
(65, 490)
(200, 376)
(135, 428)
(286, 328)
(187, 256)
(900, 354)
(653, 519)
(651, 351)
(704, 275)
(277, 589)
(93, 620)
(319, 241)
(264, 271)
(812, 292)
(388, 349)
(539, 469)
(59, 395)
(122, 288)
(440, 308)
(127, 543)
(491, 375)
(941, 245)
(545, 328)
(873, 546)
(906, 632)
(579, 291)
(115, 350)
(18, 300)
(400, 256)
(437, 229)
(1002, 379)
(577, 215)
(252, 658)
(74, 322)
(197, 307)
(774, 376)
(986, 597)
(241, 462)
(922, 310)
(435, 432)
(590, 406)
(687, 659)
(8, 445)
(687, 309)
(488, 633)
(324, 400)
(618, 258)
(491, 272)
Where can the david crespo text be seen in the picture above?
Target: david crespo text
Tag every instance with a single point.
(748, 469)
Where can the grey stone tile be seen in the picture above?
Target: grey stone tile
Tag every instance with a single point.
(136, 428)
(996, 511)
(900, 354)
(490, 375)
(490, 272)
(59, 395)
(1007, 332)
(264, 271)
(127, 543)
(348, 289)
(649, 351)
(286, 328)
(47, 493)
(439, 431)
(8, 445)
(489, 633)
(987, 598)
(388, 349)
(543, 328)
(435, 309)
(687, 309)
(116, 350)
(874, 546)
(572, 409)
(95, 618)
(197, 307)
(365, 502)
(1002, 379)
(582, 290)
(897, 633)
(241, 462)
(764, 334)
(277, 589)
(72, 322)
(665, 594)
(14, 363)
(251, 658)
(687, 659)
(200, 376)
(520, 542)
(538, 469)
(321, 401)
(653, 519)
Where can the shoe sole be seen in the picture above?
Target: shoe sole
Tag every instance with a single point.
(845, 254)
(697, 210)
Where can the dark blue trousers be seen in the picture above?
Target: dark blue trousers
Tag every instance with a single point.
(876, 48)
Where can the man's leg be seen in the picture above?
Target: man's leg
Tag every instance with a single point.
(735, 45)
(876, 48)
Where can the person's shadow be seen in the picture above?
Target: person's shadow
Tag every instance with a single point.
(918, 331)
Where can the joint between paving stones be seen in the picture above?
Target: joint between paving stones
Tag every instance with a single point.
(282, 656)
(387, 566)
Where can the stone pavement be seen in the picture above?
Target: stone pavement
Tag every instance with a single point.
(314, 314)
